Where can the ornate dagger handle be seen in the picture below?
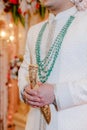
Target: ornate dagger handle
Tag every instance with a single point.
(33, 69)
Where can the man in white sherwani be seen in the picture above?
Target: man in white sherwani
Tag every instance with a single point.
(59, 47)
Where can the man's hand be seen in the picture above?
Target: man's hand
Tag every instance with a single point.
(41, 96)
(30, 96)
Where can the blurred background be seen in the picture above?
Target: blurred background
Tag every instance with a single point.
(16, 17)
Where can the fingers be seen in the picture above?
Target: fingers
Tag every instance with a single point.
(35, 104)
(30, 91)
(31, 97)
(39, 97)
(33, 101)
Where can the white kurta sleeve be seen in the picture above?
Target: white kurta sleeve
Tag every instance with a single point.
(70, 94)
(23, 73)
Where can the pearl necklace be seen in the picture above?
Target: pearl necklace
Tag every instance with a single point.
(46, 65)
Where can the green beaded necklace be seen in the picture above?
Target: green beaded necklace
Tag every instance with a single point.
(46, 65)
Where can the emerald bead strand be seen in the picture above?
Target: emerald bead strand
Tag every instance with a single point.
(46, 65)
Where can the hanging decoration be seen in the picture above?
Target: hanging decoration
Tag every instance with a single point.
(13, 7)
(34, 6)
(19, 8)
(14, 67)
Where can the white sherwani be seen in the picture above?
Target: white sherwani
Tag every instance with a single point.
(69, 74)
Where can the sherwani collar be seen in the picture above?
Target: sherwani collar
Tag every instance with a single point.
(63, 14)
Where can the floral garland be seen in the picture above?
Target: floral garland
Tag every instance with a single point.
(19, 8)
(13, 7)
(80, 4)
(14, 67)
(34, 6)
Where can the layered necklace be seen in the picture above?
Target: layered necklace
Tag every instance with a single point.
(46, 64)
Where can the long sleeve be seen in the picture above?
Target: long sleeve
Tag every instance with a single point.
(70, 94)
(23, 73)
(29, 57)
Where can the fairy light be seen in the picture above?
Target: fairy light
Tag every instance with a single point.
(2, 34)
(11, 25)
(11, 38)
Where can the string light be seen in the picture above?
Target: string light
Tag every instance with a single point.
(11, 38)
(11, 25)
(2, 34)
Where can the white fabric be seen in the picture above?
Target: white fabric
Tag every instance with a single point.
(69, 74)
